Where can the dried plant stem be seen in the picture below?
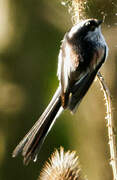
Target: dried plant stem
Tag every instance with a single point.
(76, 8)
(112, 143)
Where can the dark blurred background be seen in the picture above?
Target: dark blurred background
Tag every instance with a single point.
(30, 36)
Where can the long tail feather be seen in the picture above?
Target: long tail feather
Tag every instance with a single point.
(31, 143)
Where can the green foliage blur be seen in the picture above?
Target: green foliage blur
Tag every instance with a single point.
(30, 36)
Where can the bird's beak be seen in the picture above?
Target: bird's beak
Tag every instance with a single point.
(99, 22)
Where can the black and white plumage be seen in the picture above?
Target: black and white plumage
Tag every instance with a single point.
(82, 53)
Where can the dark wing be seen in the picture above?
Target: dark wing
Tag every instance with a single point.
(79, 90)
(81, 87)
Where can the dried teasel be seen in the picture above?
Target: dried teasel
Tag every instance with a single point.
(61, 166)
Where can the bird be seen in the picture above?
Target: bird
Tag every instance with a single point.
(82, 52)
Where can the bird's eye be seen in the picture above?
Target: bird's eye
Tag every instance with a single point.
(92, 28)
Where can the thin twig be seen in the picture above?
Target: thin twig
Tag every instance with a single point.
(110, 125)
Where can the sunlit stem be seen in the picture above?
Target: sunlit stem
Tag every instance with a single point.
(112, 142)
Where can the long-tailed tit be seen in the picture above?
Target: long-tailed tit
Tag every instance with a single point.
(82, 53)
